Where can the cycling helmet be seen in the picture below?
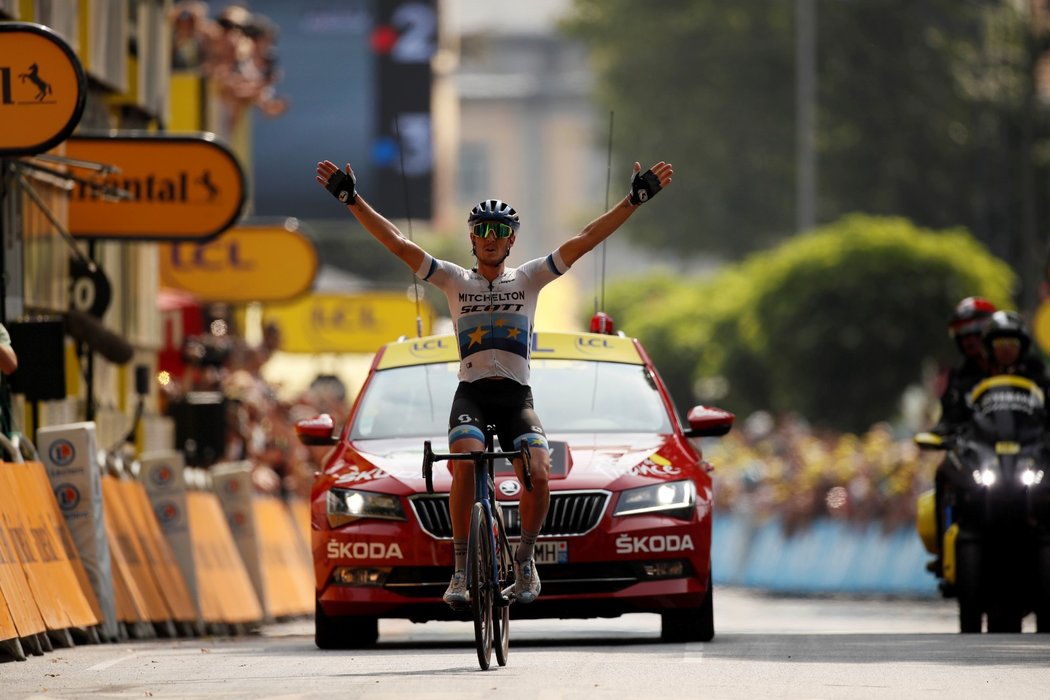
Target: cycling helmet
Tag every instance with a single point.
(494, 210)
(970, 316)
(1006, 324)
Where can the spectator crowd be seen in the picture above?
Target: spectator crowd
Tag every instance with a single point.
(783, 467)
(236, 51)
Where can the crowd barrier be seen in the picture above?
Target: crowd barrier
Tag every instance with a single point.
(269, 542)
(821, 558)
(102, 552)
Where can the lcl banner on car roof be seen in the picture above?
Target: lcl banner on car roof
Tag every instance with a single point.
(188, 187)
(42, 89)
(245, 264)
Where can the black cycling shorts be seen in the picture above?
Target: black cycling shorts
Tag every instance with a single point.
(502, 403)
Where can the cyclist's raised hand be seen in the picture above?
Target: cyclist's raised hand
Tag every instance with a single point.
(341, 184)
(644, 186)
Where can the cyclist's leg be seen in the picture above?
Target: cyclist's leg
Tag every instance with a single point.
(464, 435)
(534, 504)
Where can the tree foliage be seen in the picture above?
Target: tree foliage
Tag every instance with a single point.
(832, 325)
(924, 110)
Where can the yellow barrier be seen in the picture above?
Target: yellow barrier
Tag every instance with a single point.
(50, 532)
(130, 600)
(7, 622)
(170, 582)
(49, 577)
(287, 584)
(13, 584)
(225, 590)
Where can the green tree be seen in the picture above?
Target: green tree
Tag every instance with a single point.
(924, 110)
(832, 325)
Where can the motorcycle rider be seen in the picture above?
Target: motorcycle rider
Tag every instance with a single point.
(1007, 343)
(965, 327)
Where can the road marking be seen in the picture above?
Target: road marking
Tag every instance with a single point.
(103, 665)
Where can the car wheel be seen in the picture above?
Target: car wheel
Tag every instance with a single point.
(344, 631)
(691, 624)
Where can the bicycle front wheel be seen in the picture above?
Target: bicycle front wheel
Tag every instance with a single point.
(479, 574)
(501, 611)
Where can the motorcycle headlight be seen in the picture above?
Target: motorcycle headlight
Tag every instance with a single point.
(347, 505)
(671, 495)
(984, 477)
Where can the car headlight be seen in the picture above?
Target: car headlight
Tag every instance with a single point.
(671, 495)
(347, 505)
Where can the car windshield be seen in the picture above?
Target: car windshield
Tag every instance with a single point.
(570, 395)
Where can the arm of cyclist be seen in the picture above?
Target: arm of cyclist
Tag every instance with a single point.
(343, 186)
(644, 186)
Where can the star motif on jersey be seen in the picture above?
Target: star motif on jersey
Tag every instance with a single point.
(500, 323)
(476, 336)
(513, 333)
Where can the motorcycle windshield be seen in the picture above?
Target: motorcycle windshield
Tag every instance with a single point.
(1008, 408)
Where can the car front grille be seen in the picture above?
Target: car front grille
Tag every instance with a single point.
(571, 513)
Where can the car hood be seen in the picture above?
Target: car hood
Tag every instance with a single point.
(595, 460)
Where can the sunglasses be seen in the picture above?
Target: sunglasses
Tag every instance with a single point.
(484, 229)
(1006, 343)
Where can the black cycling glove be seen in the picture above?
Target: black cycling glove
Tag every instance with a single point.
(342, 186)
(644, 187)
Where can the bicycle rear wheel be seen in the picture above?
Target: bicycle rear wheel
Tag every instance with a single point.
(501, 613)
(479, 574)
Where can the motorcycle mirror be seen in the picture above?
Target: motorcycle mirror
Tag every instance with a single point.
(930, 441)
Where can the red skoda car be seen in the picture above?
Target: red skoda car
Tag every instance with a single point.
(629, 527)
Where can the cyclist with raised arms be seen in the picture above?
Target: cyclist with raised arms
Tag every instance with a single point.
(493, 309)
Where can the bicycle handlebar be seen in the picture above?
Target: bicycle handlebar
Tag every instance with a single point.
(429, 457)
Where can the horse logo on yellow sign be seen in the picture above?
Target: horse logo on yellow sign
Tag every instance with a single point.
(43, 89)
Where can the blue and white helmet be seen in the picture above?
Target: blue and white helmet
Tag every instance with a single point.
(494, 210)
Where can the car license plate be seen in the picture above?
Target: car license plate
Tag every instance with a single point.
(551, 552)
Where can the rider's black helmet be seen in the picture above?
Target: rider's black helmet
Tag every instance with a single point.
(494, 210)
(1006, 324)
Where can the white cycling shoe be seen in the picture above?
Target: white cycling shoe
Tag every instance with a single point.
(526, 586)
(457, 595)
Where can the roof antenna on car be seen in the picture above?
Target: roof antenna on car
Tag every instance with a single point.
(408, 216)
(602, 322)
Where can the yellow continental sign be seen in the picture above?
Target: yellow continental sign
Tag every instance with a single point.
(545, 346)
(42, 89)
(344, 322)
(181, 187)
(245, 264)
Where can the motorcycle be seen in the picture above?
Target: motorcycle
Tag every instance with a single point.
(995, 548)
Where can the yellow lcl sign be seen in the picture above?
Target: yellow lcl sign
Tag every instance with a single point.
(42, 89)
(245, 264)
(346, 322)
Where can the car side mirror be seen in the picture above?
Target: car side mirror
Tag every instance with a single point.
(708, 421)
(932, 441)
(317, 431)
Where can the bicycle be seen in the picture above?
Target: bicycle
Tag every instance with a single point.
(490, 569)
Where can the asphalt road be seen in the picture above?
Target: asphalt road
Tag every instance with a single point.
(765, 647)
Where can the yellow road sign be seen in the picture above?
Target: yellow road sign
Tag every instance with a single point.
(245, 264)
(181, 187)
(346, 323)
(42, 89)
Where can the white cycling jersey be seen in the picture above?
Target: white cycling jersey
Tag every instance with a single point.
(493, 320)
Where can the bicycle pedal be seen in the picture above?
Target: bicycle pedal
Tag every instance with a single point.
(460, 607)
